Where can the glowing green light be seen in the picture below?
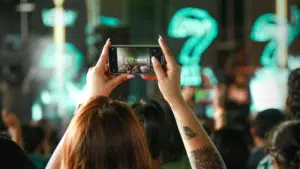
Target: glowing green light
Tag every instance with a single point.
(46, 97)
(265, 29)
(294, 62)
(201, 29)
(210, 111)
(70, 17)
(269, 88)
(72, 56)
(190, 75)
(272, 80)
(37, 113)
(109, 21)
(72, 92)
(208, 72)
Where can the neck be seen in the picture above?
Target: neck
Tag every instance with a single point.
(259, 143)
(156, 164)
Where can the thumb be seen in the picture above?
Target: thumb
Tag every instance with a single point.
(159, 71)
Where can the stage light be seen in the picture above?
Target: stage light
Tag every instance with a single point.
(268, 89)
(201, 29)
(46, 97)
(65, 62)
(109, 21)
(69, 17)
(37, 113)
(74, 59)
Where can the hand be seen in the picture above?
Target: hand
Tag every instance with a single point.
(14, 126)
(169, 80)
(100, 82)
(188, 93)
(10, 120)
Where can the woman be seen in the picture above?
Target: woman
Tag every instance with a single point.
(92, 152)
(284, 145)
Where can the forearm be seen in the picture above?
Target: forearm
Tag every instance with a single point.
(19, 140)
(16, 136)
(56, 158)
(201, 151)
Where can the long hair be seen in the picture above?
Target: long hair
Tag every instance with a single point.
(105, 134)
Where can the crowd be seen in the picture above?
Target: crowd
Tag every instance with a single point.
(162, 133)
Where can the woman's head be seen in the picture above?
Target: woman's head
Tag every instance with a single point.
(293, 100)
(105, 134)
(284, 145)
(152, 116)
(233, 147)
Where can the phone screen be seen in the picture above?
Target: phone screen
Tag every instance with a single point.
(133, 60)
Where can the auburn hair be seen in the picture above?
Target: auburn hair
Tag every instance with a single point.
(105, 134)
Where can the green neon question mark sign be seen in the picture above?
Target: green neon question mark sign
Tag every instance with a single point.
(265, 29)
(201, 29)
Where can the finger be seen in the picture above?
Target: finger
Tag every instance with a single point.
(4, 114)
(120, 79)
(104, 55)
(159, 71)
(168, 55)
(108, 73)
(91, 69)
(149, 77)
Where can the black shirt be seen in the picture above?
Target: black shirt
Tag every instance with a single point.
(256, 156)
(12, 156)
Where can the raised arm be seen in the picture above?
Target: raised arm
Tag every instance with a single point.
(13, 124)
(201, 151)
(99, 83)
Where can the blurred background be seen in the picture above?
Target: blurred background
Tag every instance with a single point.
(47, 46)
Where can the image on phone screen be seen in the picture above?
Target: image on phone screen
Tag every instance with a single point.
(133, 60)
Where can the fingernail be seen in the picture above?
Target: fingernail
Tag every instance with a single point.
(108, 40)
(130, 76)
(160, 38)
(154, 60)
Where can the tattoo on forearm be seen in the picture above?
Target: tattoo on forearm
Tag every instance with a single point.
(188, 133)
(206, 158)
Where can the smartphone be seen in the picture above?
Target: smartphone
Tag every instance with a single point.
(205, 95)
(133, 59)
